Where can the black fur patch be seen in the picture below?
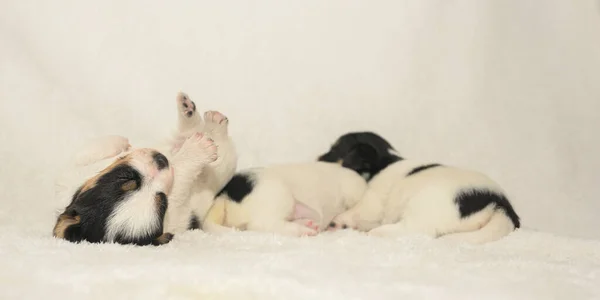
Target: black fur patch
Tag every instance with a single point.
(93, 207)
(421, 169)
(162, 205)
(363, 152)
(194, 222)
(474, 200)
(238, 187)
(161, 161)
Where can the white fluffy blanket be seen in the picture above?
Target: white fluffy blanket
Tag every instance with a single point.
(343, 265)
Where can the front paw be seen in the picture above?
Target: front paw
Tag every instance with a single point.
(199, 149)
(163, 239)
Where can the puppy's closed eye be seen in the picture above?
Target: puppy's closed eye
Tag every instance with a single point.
(129, 185)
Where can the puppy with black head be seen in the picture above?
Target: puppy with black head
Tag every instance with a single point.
(406, 197)
(143, 196)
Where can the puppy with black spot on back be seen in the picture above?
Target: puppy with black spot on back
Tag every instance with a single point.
(406, 197)
(295, 199)
(117, 194)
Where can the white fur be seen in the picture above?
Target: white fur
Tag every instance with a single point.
(199, 169)
(194, 191)
(322, 190)
(134, 217)
(423, 204)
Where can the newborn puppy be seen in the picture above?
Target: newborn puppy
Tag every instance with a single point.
(181, 171)
(409, 197)
(121, 195)
(290, 199)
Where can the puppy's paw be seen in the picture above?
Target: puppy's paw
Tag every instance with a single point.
(216, 118)
(306, 231)
(186, 107)
(216, 123)
(163, 239)
(343, 221)
(199, 148)
(308, 223)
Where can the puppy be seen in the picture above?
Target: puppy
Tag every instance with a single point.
(407, 197)
(290, 199)
(123, 196)
(99, 171)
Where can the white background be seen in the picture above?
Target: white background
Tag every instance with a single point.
(510, 88)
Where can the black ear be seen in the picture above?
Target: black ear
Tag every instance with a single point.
(68, 226)
(328, 157)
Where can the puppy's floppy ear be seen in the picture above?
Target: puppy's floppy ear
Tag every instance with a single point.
(68, 226)
(328, 157)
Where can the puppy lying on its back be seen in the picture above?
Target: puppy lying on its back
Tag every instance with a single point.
(291, 199)
(410, 197)
(120, 195)
(113, 194)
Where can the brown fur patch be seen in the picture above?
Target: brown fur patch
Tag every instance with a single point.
(63, 222)
(90, 183)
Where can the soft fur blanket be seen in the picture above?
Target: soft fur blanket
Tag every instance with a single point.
(343, 265)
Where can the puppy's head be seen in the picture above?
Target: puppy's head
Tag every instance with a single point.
(364, 152)
(124, 203)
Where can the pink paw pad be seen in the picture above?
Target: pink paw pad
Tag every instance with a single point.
(308, 223)
(215, 117)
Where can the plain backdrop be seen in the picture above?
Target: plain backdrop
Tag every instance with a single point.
(510, 88)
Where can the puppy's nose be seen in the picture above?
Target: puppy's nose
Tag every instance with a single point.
(161, 161)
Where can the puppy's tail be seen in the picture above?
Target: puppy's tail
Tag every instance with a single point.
(500, 225)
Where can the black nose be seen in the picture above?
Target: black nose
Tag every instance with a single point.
(161, 161)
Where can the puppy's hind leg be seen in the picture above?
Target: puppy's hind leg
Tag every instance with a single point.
(216, 123)
(187, 114)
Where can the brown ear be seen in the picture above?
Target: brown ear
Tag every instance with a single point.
(129, 185)
(67, 226)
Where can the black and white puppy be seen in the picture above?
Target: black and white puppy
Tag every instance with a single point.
(121, 195)
(295, 199)
(406, 197)
(144, 196)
